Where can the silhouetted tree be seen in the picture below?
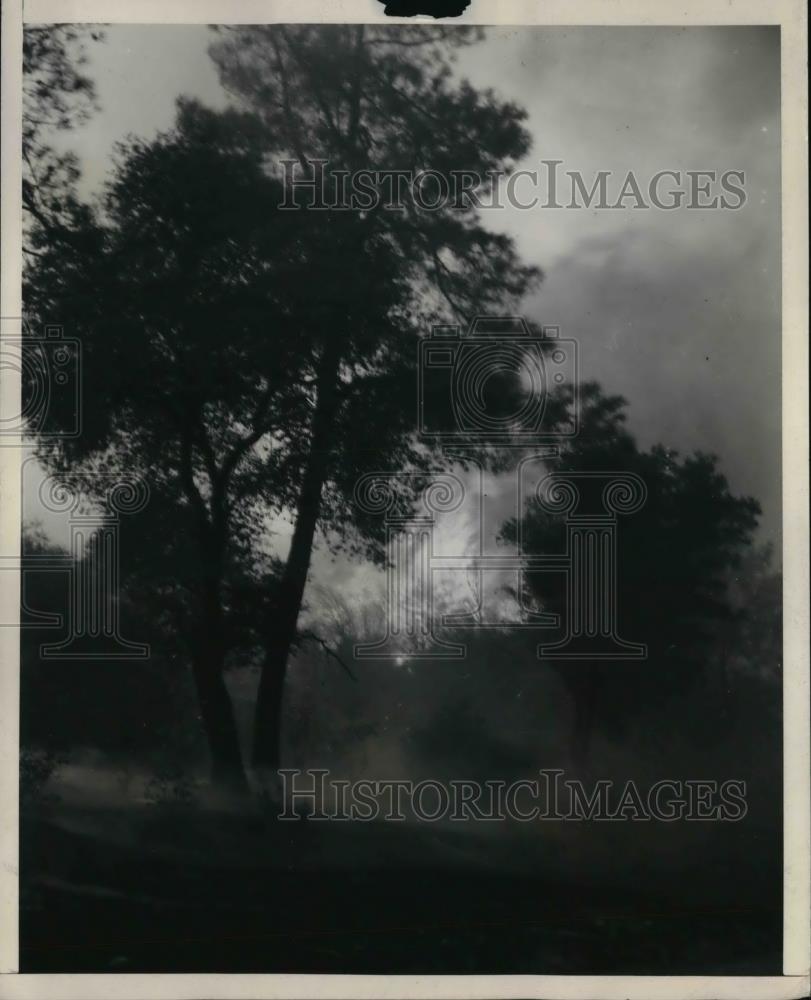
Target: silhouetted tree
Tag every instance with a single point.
(675, 561)
(378, 99)
(213, 369)
(178, 292)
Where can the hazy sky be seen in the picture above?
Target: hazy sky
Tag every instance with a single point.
(678, 311)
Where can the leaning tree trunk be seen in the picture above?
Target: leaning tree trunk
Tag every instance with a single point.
(281, 632)
(207, 639)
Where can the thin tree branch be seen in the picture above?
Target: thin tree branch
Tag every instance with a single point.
(327, 649)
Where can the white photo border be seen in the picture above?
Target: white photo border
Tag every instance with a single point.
(791, 16)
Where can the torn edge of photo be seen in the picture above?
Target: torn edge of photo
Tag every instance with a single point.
(404, 541)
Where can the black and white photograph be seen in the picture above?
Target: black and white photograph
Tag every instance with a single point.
(403, 570)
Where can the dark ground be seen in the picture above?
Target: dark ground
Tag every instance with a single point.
(365, 898)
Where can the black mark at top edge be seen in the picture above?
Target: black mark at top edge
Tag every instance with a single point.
(433, 8)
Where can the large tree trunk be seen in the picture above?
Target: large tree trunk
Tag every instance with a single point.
(216, 710)
(207, 639)
(281, 633)
(208, 664)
